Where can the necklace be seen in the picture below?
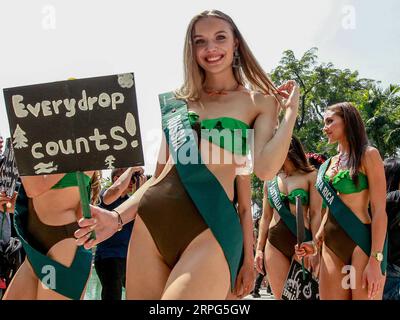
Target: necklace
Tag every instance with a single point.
(340, 163)
(223, 92)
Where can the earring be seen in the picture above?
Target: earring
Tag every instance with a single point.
(236, 59)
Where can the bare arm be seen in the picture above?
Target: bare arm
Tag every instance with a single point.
(270, 150)
(244, 209)
(119, 186)
(373, 165)
(265, 221)
(315, 206)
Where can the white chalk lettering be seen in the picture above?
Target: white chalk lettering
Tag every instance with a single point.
(49, 108)
(19, 108)
(97, 137)
(70, 105)
(116, 98)
(82, 103)
(69, 149)
(85, 143)
(55, 105)
(46, 108)
(52, 148)
(123, 141)
(34, 110)
(104, 100)
(37, 155)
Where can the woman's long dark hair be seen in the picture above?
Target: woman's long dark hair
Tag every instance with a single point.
(355, 134)
(298, 157)
(392, 173)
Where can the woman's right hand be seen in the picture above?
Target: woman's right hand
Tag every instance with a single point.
(305, 249)
(103, 222)
(259, 261)
(291, 92)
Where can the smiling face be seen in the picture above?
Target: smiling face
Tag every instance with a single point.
(333, 127)
(214, 44)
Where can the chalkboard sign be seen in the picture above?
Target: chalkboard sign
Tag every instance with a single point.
(75, 125)
(8, 171)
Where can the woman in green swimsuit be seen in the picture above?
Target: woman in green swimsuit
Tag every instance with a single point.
(278, 234)
(188, 240)
(353, 240)
(46, 215)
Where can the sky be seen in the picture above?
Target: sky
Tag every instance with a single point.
(45, 41)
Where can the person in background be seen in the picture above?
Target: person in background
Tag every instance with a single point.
(110, 258)
(392, 172)
(354, 229)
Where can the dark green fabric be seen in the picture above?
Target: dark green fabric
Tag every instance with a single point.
(343, 183)
(274, 198)
(237, 139)
(291, 197)
(351, 224)
(202, 186)
(69, 281)
(70, 180)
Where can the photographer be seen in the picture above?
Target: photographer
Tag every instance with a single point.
(110, 258)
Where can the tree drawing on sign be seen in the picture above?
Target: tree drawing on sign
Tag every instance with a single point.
(19, 138)
(110, 162)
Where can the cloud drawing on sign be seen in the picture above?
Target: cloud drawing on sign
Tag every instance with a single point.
(45, 167)
(125, 80)
(19, 138)
(110, 162)
(130, 125)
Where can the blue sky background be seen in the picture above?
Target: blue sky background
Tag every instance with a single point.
(44, 41)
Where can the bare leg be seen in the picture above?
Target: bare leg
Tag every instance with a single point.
(277, 266)
(146, 271)
(202, 271)
(359, 262)
(331, 277)
(24, 284)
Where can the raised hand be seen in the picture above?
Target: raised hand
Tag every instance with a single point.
(291, 92)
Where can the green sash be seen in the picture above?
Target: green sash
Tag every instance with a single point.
(288, 218)
(68, 281)
(202, 186)
(355, 229)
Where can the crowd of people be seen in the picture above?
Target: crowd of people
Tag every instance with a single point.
(186, 232)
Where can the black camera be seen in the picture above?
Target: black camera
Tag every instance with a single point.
(136, 179)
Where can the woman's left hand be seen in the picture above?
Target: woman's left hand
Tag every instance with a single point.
(372, 278)
(245, 280)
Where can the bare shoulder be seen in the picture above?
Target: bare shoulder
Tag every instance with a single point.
(265, 103)
(371, 154)
(371, 158)
(312, 176)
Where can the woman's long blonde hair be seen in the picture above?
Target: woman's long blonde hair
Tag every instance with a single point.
(95, 186)
(249, 74)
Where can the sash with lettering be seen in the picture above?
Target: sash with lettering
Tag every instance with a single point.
(288, 218)
(355, 229)
(202, 186)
